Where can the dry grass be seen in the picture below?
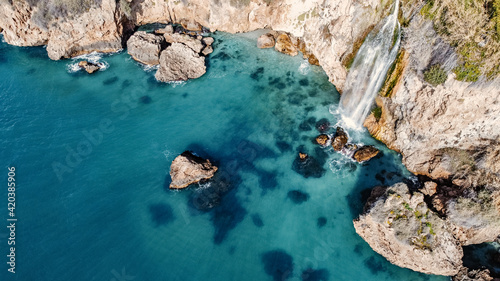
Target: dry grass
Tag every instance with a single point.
(473, 27)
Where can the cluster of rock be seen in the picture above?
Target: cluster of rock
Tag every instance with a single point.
(287, 44)
(89, 67)
(187, 169)
(340, 142)
(180, 54)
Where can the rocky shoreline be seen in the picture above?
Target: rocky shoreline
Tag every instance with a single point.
(448, 134)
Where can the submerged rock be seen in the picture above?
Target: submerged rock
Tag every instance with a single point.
(166, 30)
(178, 62)
(297, 196)
(89, 66)
(145, 48)
(365, 153)
(322, 139)
(285, 45)
(308, 166)
(265, 41)
(187, 169)
(340, 139)
(399, 226)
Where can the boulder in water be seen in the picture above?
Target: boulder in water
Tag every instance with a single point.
(145, 47)
(340, 139)
(188, 168)
(166, 30)
(208, 41)
(322, 139)
(365, 153)
(179, 63)
(89, 66)
(285, 45)
(207, 50)
(265, 41)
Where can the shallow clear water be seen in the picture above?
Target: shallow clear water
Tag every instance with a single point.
(108, 214)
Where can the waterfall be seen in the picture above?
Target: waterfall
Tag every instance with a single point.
(369, 69)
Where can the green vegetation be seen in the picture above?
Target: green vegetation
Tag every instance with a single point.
(473, 27)
(49, 10)
(349, 59)
(394, 74)
(377, 112)
(435, 75)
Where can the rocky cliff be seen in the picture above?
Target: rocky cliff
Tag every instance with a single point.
(328, 29)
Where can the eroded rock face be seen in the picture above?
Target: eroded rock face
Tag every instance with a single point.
(179, 63)
(449, 131)
(265, 41)
(400, 227)
(473, 275)
(285, 45)
(145, 48)
(185, 39)
(187, 169)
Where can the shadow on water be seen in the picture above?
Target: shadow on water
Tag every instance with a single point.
(483, 255)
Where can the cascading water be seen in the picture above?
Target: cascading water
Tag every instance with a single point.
(369, 69)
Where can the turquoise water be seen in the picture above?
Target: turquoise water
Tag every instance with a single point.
(107, 214)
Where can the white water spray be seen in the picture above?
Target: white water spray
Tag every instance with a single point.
(369, 69)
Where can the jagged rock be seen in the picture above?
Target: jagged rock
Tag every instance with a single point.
(166, 30)
(187, 169)
(303, 156)
(179, 62)
(399, 226)
(429, 188)
(339, 139)
(88, 66)
(207, 50)
(265, 41)
(466, 274)
(476, 216)
(185, 39)
(189, 24)
(208, 41)
(322, 139)
(285, 45)
(365, 153)
(145, 48)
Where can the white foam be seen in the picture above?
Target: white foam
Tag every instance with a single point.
(204, 185)
(304, 67)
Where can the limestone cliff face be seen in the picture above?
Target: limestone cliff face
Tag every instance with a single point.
(445, 132)
(327, 28)
(399, 226)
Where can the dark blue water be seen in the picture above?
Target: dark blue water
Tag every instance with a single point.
(92, 155)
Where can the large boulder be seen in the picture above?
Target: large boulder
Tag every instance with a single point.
(265, 41)
(285, 45)
(365, 153)
(89, 66)
(399, 226)
(179, 63)
(188, 168)
(340, 139)
(145, 48)
(193, 43)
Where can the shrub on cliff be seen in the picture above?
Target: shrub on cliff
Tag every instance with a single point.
(435, 75)
(48, 10)
(473, 27)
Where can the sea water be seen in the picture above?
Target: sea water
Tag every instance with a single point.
(92, 155)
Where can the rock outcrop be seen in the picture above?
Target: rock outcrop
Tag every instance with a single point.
(328, 31)
(188, 168)
(473, 275)
(284, 45)
(340, 139)
(322, 139)
(449, 131)
(145, 48)
(179, 63)
(89, 67)
(365, 153)
(193, 43)
(265, 41)
(399, 226)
